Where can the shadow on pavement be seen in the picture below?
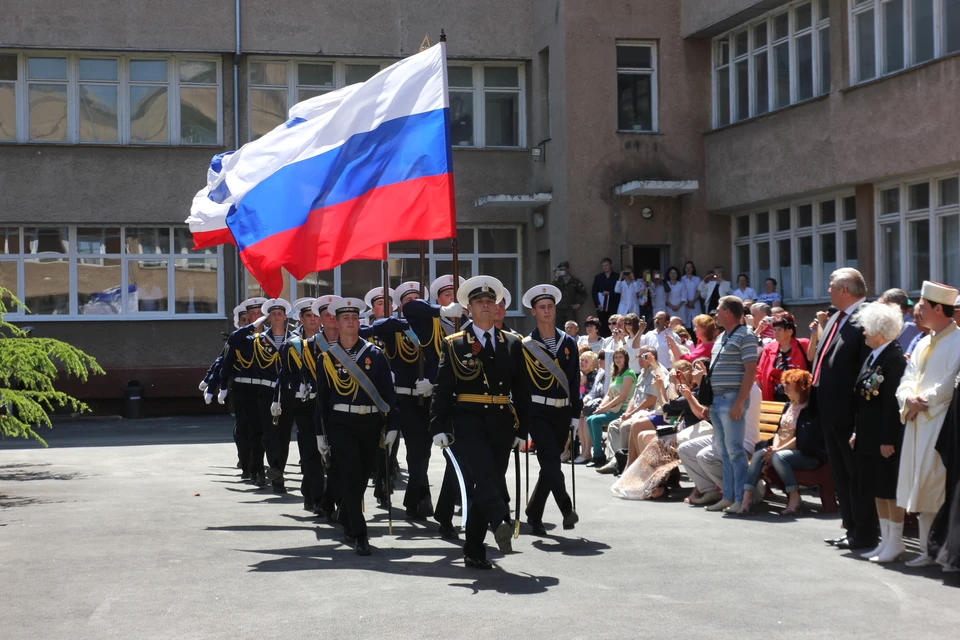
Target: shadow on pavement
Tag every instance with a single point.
(128, 433)
(26, 472)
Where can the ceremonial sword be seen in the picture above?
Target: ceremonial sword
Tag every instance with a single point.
(463, 487)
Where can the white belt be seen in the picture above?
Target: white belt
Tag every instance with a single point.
(550, 402)
(355, 408)
(265, 383)
(406, 391)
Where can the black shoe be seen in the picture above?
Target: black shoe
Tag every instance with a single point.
(245, 475)
(853, 545)
(318, 511)
(503, 535)
(599, 461)
(333, 516)
(274, 474)
(425, 508)
(412, 513)
(278, 487)
(260, 480)
(477, 563)
(835, 541)
(570, 519)
(447, 532)
(363, 547)
(538, 528)
(308, 506)
(349, 538)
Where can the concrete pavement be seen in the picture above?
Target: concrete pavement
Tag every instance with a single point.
(143, 530)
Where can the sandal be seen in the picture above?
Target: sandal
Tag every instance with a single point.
(792, 512)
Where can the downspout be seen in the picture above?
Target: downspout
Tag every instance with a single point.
(236, 131)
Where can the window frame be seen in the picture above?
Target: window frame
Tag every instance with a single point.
(818, 23)
(123, 83)
(339, 79)
(74, 257)
(793, 234)
(934, 213)
(432, 257)
(653, 72)
(879, 43)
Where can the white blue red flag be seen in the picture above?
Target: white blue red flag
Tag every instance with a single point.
(348, 172)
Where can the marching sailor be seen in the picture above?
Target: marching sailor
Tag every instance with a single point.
(402, 348)
(431, 323)
(238, 368)
(500, 314)
(552, 363)
(295, 396)
(358, 409)
(481, 366)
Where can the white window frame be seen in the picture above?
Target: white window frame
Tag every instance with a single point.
(939, 37)
(123, 83)
(73, 258)
(433, 257)
(793, 235)
(934, 213)
(817, 24)
(339, 81)
(654, 85)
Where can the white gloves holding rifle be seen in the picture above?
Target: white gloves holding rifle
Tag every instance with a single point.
(389, 439)
(324, 450)
(424, 387)
(275, 409)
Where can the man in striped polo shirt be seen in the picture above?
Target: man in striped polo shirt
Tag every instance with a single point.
(733, 370)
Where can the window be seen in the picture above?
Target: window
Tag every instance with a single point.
(493, 251)
(918, 232)
(93, 98)
(636, 87)
(115, 272)
(782, 59)
(487, 100)
(891, 35)
(799, 244)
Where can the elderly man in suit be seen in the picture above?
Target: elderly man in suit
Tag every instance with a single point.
(836, 367)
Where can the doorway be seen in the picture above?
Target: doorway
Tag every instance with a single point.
(653, 257)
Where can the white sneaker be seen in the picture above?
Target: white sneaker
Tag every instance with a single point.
(581, 460)
(720, 506)
(734, 508)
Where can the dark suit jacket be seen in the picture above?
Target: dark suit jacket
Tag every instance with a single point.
(878, 419)
(841, 366)
(504, 374)
(602, 282)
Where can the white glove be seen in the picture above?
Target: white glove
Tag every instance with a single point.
(275, 409)
(393, 377)
(259, 321)
(574, 423)
(324, 450)
(222, 396)
(441, 440)
(303, 391)
(208, 397)
(452, 310)
(517, 443)
(389, 439)
(424, 387)
(203, 385)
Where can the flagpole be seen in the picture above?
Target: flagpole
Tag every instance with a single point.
(453, 241)
(421, 363)
(387, 311)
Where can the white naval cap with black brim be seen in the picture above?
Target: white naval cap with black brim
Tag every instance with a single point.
(540, 292)
(253, 303)
(347, 305)
(480, 287)
(322, 303)
(441, 284)
(276, 303)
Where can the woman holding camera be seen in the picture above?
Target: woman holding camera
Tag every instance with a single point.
(630, 290)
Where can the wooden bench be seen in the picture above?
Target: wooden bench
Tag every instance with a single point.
(821, 477)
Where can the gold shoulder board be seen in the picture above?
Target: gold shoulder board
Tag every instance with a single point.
(454, 336)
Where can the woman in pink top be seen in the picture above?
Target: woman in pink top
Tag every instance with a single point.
(706, 330)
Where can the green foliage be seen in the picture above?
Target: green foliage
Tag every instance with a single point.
(28, 369)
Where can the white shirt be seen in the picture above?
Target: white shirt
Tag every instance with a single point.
(629, 296)
(876, 353)
(658, 297)
(745, 294)
(482, 338)
(849, 311)
(658, 340)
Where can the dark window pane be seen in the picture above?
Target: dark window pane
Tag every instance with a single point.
(785, 275)
(506, 77)
(148, 70)
(824, 60)
(805, 216)
(890, 201)
(923, 35)
(743, 226)
(8, 67)
(919, 196)
(760, 35)
(781, 75)
(890, 255)
(361, 72)
(762, 222)
(742, 69)
(45, 240)
(497, 240)
(761, 82)
(850, 249)
(507, 271)
(828, 212)
(9, 241)
(805, 67)
(460, 76)
(803, 17)
(723, 97)
(629, 57)
(850, 208)
(464, 240)
(893, 36)
(635, 109)
(781, 26)
(866, 56)
(502, 119)
(47, 68)
(98, 240)
(951, 26)
(315, 75)
(741, 44)
(783, 219)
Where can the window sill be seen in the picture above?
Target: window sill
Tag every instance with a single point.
(20, 319)
(768, 114)
(897, 74)
(630, 132)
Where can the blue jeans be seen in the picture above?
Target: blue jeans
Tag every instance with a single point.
(728, 439)
(784, 462)
(595, 425)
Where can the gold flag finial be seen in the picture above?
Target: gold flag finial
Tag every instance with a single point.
(425, 44)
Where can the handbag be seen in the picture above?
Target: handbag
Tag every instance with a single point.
(705, 392)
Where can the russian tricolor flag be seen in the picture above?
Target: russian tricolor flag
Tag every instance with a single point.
(348, 172)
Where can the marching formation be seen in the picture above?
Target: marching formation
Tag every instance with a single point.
(443, 372)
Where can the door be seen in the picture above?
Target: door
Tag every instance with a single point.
(652, 257)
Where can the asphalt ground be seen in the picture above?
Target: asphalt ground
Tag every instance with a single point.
(144, 530)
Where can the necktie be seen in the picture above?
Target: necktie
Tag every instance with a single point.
(488, 343)
(827, 345)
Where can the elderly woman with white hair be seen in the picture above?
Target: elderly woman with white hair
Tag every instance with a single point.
(879, 433)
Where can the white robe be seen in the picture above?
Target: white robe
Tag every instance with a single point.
(932, 373)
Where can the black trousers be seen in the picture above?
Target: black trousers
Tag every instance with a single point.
(604, 317)
(355, 444)
(276, 437)
(240, 439)
(485, 448)
(550, 428)
(450, 488)
(857, 506)
(415, 427)
(311, 465)
(246, 405)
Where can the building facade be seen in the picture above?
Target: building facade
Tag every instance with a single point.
(776, 138)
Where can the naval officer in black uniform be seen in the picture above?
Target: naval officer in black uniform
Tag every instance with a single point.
(552, 363)
(358, 408)
(480, 368)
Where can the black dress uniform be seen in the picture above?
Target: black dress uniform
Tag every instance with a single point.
(390, 335)
(329, 499)
(245, 381)
(353, 426)
(296, 397)
(431, 329)
(472, 401)
(551, 411)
